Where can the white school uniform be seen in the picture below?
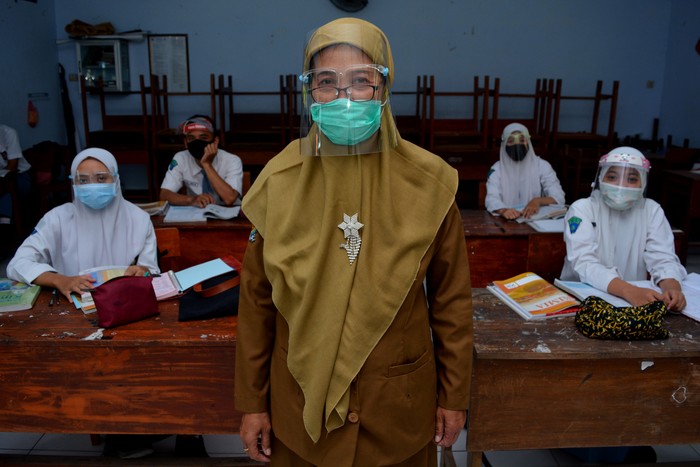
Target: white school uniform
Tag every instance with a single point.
(72, 237)
(10, 147)
(603, 244)
(184, 171)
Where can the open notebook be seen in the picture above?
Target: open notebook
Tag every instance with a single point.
(172, 284)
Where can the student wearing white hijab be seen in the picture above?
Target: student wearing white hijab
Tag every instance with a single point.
(617, 235)
(520, 182)
(99, 228)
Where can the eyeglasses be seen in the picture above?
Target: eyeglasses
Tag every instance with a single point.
(355, 92)
(364, 81)
(97, 177)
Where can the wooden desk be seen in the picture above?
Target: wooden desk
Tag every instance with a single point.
(499, 249)
(203, 241)
(540, 385)
(152, 376)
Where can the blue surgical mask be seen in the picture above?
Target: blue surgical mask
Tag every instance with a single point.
(619, 197)
(347, 122)
(95, 195)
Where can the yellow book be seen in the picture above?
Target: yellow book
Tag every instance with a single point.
(532, 297)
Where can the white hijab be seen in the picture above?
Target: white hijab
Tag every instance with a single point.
(112, 236)
(520, 181)
(621, 237)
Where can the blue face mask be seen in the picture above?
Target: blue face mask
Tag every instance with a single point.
(95, 195)
(347, 122)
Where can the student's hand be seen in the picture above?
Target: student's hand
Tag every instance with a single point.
(532, 208)
(448, 426)
(509, 213)
(202, 200)
(256, 435)
(672, 295)
(638, 296)
(136, 270)
(77, 284)
(210, 152)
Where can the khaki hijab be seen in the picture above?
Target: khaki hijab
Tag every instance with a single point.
(337, 311)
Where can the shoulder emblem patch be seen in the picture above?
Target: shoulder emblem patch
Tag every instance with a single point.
(491, 170)
(574, 222)
(172, 165)
(253, 234)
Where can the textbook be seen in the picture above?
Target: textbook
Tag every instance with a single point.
(549, 211)
(532, 297)
(155, 208)
(690, 287)
(548, 225)
(17, 296)
(172, 284)
(195, 214)
(581, 290)
(101, 275)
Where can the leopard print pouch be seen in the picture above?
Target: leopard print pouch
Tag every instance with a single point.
(600, 320)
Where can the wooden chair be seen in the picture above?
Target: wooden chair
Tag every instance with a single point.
(413, 127)
(255, 137)
(166, 139)
(168, 239)
(538, 122)
(246, 183)
(579, 166)
(457, 137)
(127, 136)
(50, 170)
(584, 137)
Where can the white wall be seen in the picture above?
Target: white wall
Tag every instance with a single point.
(579, 41)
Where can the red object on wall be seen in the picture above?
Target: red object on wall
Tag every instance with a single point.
(32, 115)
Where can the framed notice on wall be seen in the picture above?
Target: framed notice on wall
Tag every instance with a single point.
(168, 55)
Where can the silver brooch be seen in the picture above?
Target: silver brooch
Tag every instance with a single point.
(351, 229)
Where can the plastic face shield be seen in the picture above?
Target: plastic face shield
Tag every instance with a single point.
(517, 137)
(623, 175)
(343, 109)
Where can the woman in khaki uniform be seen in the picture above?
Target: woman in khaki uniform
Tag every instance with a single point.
(355, 319)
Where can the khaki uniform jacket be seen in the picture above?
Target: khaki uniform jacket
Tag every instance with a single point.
(424, 359)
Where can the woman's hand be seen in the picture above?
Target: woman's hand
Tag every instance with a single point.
(509, 213)
(136, 270)
(532, 208)
(448, 426)
(672, 295)
(637, 296)
(256, 435)
(65, 284)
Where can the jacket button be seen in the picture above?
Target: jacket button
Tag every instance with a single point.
(353, 417)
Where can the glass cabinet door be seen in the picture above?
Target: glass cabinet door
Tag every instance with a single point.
(104, 63)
